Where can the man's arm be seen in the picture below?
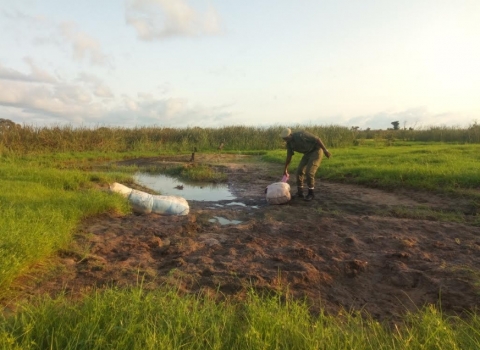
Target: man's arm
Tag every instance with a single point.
(322, 146)
(287, 162)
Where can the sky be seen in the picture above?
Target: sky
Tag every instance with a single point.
(212, 63)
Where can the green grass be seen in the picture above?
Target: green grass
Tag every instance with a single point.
(40, 209)
(165, 319)
(429, 167)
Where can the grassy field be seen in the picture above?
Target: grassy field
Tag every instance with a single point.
(435, 167)
(164, 319)
(440, 168)
(45, 194)
(41, 206)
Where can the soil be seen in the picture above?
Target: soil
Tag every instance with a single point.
(347, 249)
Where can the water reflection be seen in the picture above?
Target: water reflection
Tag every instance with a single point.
(171, 186)
(237, 203)
(223, 221)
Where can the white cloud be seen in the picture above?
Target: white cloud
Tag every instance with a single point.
(103, 91)
(130, 103)
(37, 97)
(41, 97)
(36, 74)
(72, 94)
(158, 19)
(83, 45)
(43, 30)
(100, 89)
(17, 16)
(171, 112)
(63, 101)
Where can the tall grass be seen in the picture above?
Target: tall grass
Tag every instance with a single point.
(470, 134)
(29, 139)
(164, 319)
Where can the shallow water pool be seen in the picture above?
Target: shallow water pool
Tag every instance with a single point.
(171, 186)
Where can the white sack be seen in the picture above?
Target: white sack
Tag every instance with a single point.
(278, 193)
(170, 205)
(146, 203)
(141, 202)
(122, 189)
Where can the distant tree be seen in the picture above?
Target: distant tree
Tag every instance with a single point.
(395, 125)
(7, 124)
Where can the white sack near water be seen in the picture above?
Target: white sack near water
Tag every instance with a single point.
(122, 189)
(146, 203)
(278, 193)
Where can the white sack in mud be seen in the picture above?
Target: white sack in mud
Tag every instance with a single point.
(146, 203)
(170, 205)
(278, 193)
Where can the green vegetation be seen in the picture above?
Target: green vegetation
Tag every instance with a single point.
(41, 207)
(50, 179)
(431, 134)
(35, 140)
(164, 319)
(432, 167)
(441, 168)
(20, 140)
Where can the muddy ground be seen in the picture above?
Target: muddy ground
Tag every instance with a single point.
(344, 250)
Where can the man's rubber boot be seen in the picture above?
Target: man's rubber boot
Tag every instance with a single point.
(310, 195)
(300, 192)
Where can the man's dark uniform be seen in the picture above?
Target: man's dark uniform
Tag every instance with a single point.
(306, 143)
